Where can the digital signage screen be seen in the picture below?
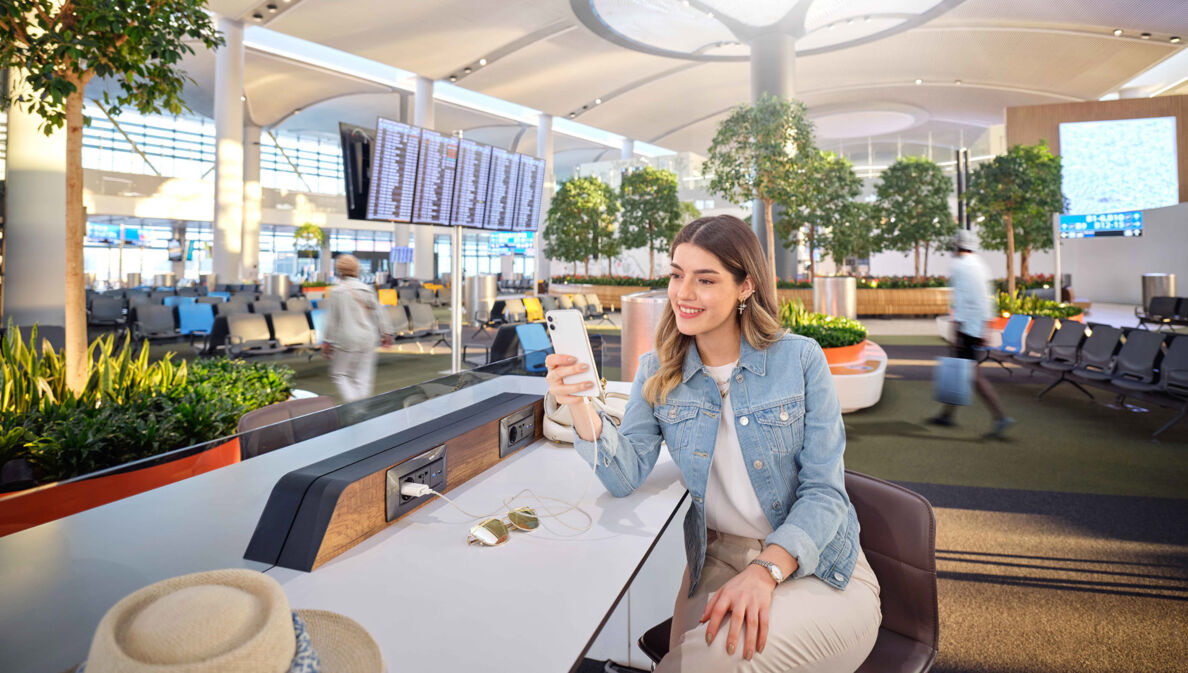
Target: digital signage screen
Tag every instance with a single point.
(393, 171)
(1098, 225)
(501, 201)
(528, 194)
(470, 190)
(356, 144)
(1119, 165)
(435, 178)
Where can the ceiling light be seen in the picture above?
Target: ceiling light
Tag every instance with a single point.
(258, 16)
(710, 14)
(919, 81)
(956, 81)
(482, 61)
(572, 115)
(453, 78)
(466, 70)
(598, 101)
(1145, 36)
(1117, 32)
(242, 98)
(1174, 39)
(271, 9)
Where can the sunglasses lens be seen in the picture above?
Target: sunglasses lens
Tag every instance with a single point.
(524, 518)
(490, 532)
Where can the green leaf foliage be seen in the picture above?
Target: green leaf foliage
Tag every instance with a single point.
(651, 214)
(826, 202)
(580, 224)
(1034, 306)
(913, 198)
(137, 45)
(309, 236)
(829, 331)
(762, 151)
(855, 234)
(131, 408)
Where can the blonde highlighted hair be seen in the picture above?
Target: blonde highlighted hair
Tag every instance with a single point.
(736, 247)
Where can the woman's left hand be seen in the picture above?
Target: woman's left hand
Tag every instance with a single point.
(747, 597)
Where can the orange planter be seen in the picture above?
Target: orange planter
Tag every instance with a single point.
(844, 354)
(35, 506)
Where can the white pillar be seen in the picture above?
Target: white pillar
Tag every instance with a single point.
(179, 267)
(252, 200)
(400, 239)
(544, 150)
(228, 113)
(773, 71)
(627, 150)
(35, 225)
(423, 234)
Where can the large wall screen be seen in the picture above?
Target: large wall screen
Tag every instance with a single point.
(1119, 165)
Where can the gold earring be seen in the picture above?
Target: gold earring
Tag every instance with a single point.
(742, 305)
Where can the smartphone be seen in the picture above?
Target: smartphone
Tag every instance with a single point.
(567, 331)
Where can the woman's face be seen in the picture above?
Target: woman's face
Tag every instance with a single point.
(703, 294)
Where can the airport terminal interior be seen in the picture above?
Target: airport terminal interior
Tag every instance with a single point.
(279, 279)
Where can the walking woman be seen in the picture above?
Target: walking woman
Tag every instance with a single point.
(775, 579)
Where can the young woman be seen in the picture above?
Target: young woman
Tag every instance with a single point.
(775, 579)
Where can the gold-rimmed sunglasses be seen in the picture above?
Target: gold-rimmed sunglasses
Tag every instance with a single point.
(494, 532)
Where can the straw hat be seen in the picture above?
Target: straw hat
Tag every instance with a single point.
(228, 621)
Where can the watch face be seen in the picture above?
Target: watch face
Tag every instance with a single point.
(776, 573)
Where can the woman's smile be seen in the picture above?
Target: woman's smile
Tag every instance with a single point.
(688, 312)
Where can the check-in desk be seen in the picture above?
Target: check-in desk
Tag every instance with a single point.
(431, 601)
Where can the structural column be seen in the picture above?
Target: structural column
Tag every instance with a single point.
(252, 204)
(773, 71)
(627, 150)
(423, 235)
(179, 267)
(229, 151)
(544, 150)
(35, 221)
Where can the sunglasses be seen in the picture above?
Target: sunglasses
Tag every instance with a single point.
(494, 532)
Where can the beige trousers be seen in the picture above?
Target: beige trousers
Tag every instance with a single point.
(813, 627)
(353, 372)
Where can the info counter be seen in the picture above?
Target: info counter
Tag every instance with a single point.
(327, 519)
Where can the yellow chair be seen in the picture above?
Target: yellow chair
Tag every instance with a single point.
(387, 296)
(535, 310)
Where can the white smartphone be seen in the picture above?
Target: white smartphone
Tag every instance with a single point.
(567, 330)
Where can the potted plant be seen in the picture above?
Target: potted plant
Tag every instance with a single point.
(1010, 304)
(842, 339)
(651, 211)
(913, 197)
(308, 240)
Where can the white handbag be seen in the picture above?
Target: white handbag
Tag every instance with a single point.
(558, 422)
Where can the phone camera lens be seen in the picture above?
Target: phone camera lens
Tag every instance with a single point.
(552, 327)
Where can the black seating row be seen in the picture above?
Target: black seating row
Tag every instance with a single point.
(1164, 312)
(1129, 362)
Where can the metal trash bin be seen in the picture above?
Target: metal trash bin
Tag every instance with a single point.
(133, 279)
(836, 295)
(164, 280)
(480, 296)
(641, 316)
(1158, 285)
(278, 284)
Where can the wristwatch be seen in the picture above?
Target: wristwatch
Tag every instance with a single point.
(776, 573)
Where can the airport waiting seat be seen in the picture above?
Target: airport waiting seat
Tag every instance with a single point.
(1181, 317)
(153, 321)
(426, 296)
(225, 296)
(580, 304)
(594, 309)
(210, 299)
(1037, 340)
(105, 310)
(1134, 368)
(178, 300)
(142, 299)
(1062, 355)
(565, 302)
(1012, 341)
(515, 311)
(298, 304)
(495, 317)
(265, 306)
(291, 329)
(406, 295)
(189, 291)
(284, 423)
(195, 319)
(317, 318)
(536, 344)
(1160, 311)
(231, 307)
(548, 302)
(422, 322)
(388, 296)
(1174, 375)
(504, 345)
(534, 309)
(398, 321)
(248, 334)
(899, 537)
(1095, 362)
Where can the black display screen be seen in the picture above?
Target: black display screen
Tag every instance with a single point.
(356, 167)
(470, 191)
(505, 178)
(528, 194)
(435, 178)
(393, 171)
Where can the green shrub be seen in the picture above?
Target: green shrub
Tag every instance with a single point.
(130, 408)
(827, 330)
(1033, 306)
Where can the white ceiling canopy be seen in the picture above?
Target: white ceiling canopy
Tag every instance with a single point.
(755, 13)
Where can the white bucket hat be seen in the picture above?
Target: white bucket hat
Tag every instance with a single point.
(229, 621)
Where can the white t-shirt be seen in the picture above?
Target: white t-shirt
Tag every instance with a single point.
(973, 304)
(731, 505)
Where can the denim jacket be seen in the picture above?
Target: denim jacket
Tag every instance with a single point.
(789, 426)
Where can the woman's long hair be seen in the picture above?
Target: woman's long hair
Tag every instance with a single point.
(736, 247)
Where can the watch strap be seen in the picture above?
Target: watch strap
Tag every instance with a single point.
(772, 569)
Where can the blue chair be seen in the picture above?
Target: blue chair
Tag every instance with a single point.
(178, 301)
(224, 295)
(318, 316)
(1012, 341)
(536, 344)
(195, 319)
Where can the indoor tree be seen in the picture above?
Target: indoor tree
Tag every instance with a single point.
(763, 152)
(1013, 196)
(913, 197)
(824, 202)
(57, 47)
(854, 234)
(651, 211)
(308, 240)
(581, 222)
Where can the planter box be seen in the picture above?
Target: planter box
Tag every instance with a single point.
(845, 354)
(611, 296)
(42, 504)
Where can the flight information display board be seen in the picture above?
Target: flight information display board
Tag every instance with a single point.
(528, 194)
(505, 178)
(470, 190)
(1098, 225)
(435, 178)
(393, 171)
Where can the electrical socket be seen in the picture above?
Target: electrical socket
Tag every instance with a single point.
(428, 468)
(428, 475)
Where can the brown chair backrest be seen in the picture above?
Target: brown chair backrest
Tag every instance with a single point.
(899, 538)
(279, 425)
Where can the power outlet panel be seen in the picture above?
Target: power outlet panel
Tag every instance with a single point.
(516, 431)
(428, 468)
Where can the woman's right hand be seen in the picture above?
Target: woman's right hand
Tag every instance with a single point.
(561, 366)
